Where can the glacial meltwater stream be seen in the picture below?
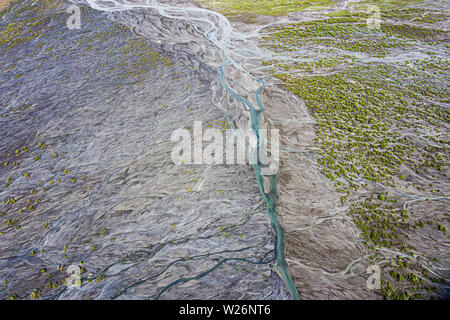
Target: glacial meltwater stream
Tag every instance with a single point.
(220, 34)
(89, 188)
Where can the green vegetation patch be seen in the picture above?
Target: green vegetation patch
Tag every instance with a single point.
(239, 8)
(381, 127)
(345, 33)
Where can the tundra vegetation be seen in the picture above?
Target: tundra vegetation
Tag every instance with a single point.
(379, 96)
(380, 99)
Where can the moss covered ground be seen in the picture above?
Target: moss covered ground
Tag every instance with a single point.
(380, 98)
